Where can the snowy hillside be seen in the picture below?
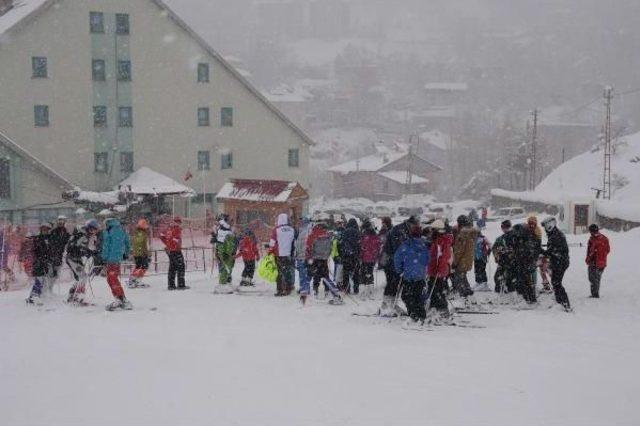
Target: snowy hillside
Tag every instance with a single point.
(202, 359)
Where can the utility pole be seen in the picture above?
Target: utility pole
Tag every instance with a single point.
(606, 179)
(409, 179)
(534, 147)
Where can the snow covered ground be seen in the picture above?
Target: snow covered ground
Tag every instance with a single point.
(203, 359)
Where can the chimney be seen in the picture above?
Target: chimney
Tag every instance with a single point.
(5, 6)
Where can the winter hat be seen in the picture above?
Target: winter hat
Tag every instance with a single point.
(506, 224)
(62, 217)
(143, 224)
(549, 223)
(593, 228)
(532, 220)
(463, 221)
(438, 225)
(177, 219)
(46, 225)
(92, 224)
(413, 221)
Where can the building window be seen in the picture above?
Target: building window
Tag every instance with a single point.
(385, 187)
(99, 116)
(122, 23)
(126, 162)
(96, 22)
(98, 70)
(203, 73)
(204, 160)
(39, 67)
(294, 158)
(101, 162)
(125, 117)
(124, 70)
(203, 117)
(226, 117)
(41, 115)
(227, 161)
(5, 178)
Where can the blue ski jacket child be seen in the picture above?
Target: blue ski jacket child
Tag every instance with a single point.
(115, 242)
(412, 258)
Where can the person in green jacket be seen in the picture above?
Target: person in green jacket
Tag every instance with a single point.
(226, 245)
(140, 253)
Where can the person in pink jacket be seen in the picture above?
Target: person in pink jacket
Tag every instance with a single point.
(370, 253)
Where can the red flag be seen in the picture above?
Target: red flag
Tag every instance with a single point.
(188, 175)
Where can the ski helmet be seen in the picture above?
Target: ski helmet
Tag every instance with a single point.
(549, 224)
(593, 228)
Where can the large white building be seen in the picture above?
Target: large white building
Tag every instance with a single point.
(95, 89)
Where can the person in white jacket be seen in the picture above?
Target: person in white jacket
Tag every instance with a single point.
(281, 244)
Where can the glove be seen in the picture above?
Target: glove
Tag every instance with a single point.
(309, 262)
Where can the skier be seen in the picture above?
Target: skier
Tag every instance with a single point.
(302, 234)
(281, 244)
(503, 256)
(349, 249)
(140, 253)
(318, 251)
(223, 240)
(59, 237)
(463, 253)
(116, 247)
(172, 240)
(481, 257)
(558, 253)
(396, 236)
(526, 249)
(82, 250)
(532, 226)
(597, 251)
(370, 253)
(43, 268)
(248, 250)
(335, 251)
(411, 261)
(439, 267)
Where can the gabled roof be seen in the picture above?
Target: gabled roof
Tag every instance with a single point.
(26, 155)
(25, 9)
(376, 162)
(400, 176)
(274, 191)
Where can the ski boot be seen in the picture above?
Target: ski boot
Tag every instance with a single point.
(119, 304)
(34, 300)
(336, 300)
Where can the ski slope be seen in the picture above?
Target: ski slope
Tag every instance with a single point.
(204, 359)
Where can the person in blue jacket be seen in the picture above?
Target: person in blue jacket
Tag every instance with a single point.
(411, 261)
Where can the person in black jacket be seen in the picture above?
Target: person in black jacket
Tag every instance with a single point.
(42, 264)
(349, 248)
(558, 254)
(59, 237)
(525, 248)
(394, 239)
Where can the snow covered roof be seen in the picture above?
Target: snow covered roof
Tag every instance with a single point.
(370, 163)
(286, 93)
(107, 198)
(274, 191)
(447, 86)
(577, 178)
(145, 181)
(13, 146)
(400, 176)
(27, 8)
(21, 10)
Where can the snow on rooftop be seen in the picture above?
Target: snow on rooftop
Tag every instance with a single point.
(370, 163)
(437, 138)
(400, 176)
(257, 190)
(451, 87)
(21, 10)
(286, 93)
(577, 178)
(148, 182)
(108, 198)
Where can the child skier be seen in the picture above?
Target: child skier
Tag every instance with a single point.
(140, 253)
(370, 253)
(410, 262)
(248, 250)
(115, 248)
(319, 247)
(172, 240)
(43, 269)
(439, 268)
(82, 251)
(481, 257)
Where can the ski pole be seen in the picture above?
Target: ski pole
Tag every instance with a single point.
(399, 291)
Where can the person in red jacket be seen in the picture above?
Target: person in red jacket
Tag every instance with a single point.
(248, 250)
(172, 240)
(370, 247)
(597, 252)
(439, 268)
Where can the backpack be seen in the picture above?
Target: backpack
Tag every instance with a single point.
(322, 247)
(480, 252)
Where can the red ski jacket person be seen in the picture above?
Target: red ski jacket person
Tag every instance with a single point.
(597, 250)
(370, 248)
(440, 256)
(172, 239)
(248, 249)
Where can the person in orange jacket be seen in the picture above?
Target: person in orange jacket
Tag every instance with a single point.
(248, 250)
(172, 240)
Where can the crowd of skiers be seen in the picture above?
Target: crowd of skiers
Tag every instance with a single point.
(419, 260)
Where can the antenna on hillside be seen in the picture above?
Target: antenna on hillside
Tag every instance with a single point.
(606, 177)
